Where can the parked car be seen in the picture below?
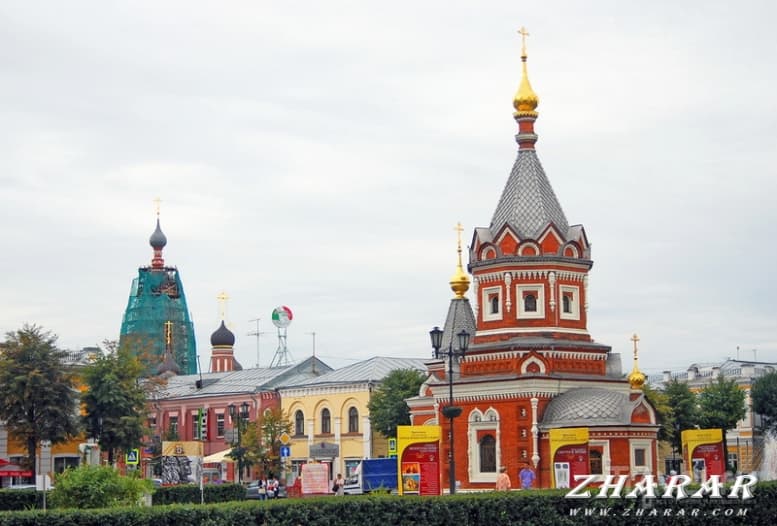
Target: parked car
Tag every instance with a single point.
(256, 490)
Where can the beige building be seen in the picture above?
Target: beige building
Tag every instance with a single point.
(329, 415)
(746, 441)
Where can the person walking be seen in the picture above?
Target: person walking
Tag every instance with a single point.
(502, 480)
(527, 477)
(339, 486)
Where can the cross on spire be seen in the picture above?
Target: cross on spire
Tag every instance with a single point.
(459, 229)
(157, 203)
(524, 33)
(222, 297)
(635, 339)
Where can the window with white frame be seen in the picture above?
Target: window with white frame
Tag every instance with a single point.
(531, 301)
(640, 456)
(492, 303)
(570, 302)
(219, 425)
(483, 451)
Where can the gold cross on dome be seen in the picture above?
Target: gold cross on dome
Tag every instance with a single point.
(635, 339)
(523, 34)
(157, 202)
(222, 297)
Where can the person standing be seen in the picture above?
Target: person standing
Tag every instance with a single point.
(339, 486)
(503, 480)
(527, 477)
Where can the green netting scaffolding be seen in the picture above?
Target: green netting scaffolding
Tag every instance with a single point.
(157, 298)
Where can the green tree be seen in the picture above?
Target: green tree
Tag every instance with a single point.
(387, 406)
(764, 397)
(38, 395)
(722, 405)
(97, 487)
(685, 410)
(115, 400)
(262, 441)
(664, 416)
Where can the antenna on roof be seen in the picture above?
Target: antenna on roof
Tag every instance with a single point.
(198, 383)
(314, 349)
(258, 334)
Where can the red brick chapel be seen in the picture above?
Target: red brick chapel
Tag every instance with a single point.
(535, 389)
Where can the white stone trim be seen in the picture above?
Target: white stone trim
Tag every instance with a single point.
(473, 447)
(635, 444)
(574, 292)
(538, 289)
(484, 294)
(531, 360)
(532, 329)
(606, 460)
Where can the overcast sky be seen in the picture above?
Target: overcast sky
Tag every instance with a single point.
(319, 154)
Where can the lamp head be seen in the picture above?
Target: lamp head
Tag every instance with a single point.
(463, 337)
(436, 336)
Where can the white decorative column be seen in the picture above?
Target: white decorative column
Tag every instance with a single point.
(552, 281)
(585, 290)
(367, 437)
(338, 460)
(475, 301)
(508, 286)
(535, 456)
(309, 423)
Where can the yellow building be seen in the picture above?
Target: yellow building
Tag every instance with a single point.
(329, 415)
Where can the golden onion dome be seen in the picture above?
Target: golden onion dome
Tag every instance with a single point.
(525, 101)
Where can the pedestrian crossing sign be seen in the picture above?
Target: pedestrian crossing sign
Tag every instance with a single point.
(132, 458)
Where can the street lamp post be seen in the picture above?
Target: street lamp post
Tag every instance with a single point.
(450, 411)
(242, 416)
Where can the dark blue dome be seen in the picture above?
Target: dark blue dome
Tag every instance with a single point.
(158, 238)
(222, 336)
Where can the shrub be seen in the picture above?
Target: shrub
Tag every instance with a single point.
(97, 487)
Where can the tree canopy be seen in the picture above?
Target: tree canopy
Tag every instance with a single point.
(764, 397)
(664, 415)
(387, 406)
(114, 403)
(722, 405)
(38, 395)
(685, 410)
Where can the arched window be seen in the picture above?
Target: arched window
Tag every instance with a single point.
(494, 304)
(299, 423)
(567, 304)
(488, 454)
(530, 303)
(326, 422)
(353, 420)
(595, 462)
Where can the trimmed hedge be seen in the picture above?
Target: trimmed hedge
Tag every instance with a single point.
(20, 499)
(491, 509)
(190, 494)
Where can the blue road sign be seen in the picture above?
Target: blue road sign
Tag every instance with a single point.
(285, 451)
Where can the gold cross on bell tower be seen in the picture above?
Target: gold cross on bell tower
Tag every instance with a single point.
(157, 205)
(168, 332)
(223, 297)
(523, 34)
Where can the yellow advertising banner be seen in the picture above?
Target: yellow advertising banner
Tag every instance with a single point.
(569, 436)
(418, 450)
(692, 438)
(181, 449)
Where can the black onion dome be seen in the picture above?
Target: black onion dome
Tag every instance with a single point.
(222, 336)
(158, 238)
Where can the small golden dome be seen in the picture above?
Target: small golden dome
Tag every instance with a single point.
(636, 379)
(525, 101)
(459, 282)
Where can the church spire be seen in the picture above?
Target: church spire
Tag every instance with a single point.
(460, 281)
(158, 240)
(525, 100)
